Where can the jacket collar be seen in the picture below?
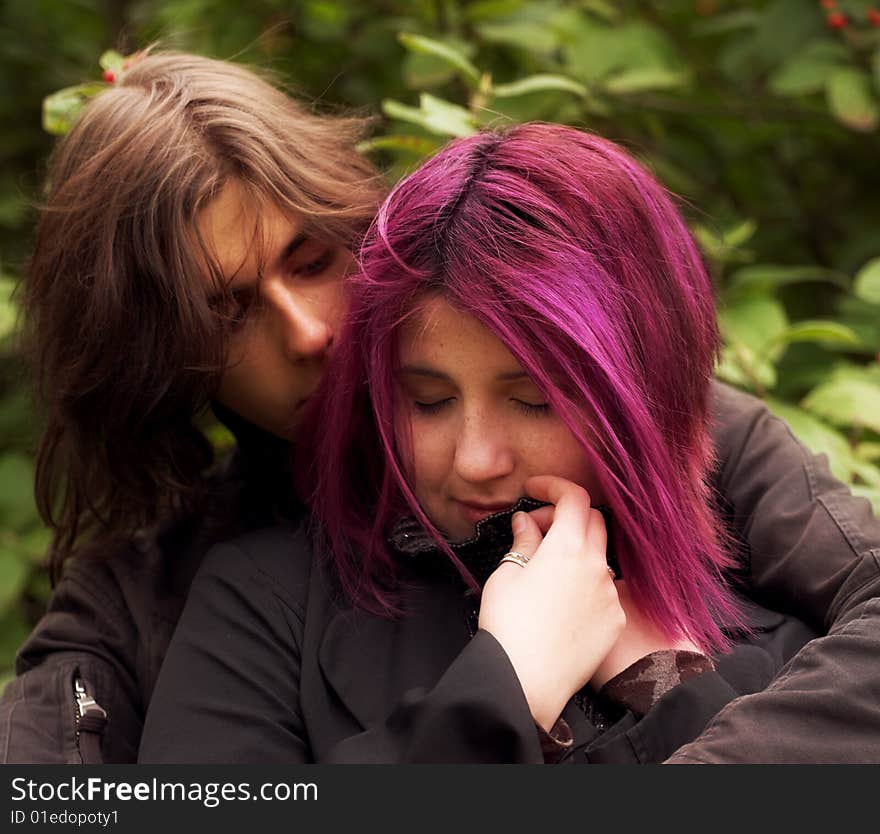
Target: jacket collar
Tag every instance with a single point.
(413, 651)
(263, 464)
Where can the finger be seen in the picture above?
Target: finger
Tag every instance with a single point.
(572, 502)
(527, 535)
(543, 517)
(597, 534)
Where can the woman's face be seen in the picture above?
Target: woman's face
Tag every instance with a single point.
(479, 426)
(283, 329)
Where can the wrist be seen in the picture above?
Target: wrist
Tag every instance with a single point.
(546, 697)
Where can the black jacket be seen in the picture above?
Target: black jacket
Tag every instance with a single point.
(268, 664)
(812, 549)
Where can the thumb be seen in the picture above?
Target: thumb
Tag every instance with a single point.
(527, 535)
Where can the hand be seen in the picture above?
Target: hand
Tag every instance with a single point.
(640, 637)
(559, 616)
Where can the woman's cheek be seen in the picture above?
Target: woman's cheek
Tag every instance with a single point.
(431, 459)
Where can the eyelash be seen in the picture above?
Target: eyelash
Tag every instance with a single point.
(235, 313)
(431, 408)
(529, 409)
(316, 266)
(538, 410)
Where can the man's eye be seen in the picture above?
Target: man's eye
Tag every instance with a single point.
(234, 309)
(309, 263)
(433, 407)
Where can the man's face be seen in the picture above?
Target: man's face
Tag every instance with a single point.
(283, 325)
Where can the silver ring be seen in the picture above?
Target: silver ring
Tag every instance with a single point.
(517, 558)
(611, 572)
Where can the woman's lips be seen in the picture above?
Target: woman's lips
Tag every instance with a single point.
(477, 512)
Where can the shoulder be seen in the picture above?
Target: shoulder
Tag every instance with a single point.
(277, 559)
(745, 431)
(734, 411)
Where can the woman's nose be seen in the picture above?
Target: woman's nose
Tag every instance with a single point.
(483, 452)
(306, 326)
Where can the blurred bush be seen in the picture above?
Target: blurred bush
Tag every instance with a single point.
(763, 116)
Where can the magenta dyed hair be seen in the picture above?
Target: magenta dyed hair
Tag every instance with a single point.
(570, 253)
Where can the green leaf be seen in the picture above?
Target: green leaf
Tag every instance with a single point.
(484, 11)
(866, 472)
(595, 50)
(869, 451)
(867, 283)
(602, 9)
(808, 71)
(112, 60)
(644, 79)
(828, 332)
(422, 72)
(873, 495)
(875, 68)
(537, 84)
(452, 56)
(417, 145)
(14, 572)
(722, 24)
(739, 365)
(818, 437)
(850, 99)
(846, 402)
(13, 632)
(526, 35)
(739, 234)
(220, 437)
(754, 322)
(35, 544)
(767, 277)
(433, 114)
(61, 109)
(751, 328)
(8, 312)
(861, 373)
(17, 508)
(724, 246)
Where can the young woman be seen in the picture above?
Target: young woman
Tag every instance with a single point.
(531, 320)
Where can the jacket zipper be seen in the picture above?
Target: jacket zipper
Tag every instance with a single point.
(85, 704)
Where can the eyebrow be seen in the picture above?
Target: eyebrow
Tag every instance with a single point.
(290, 248)
(287, 252)
(419, 370)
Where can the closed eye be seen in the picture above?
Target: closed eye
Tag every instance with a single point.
(312, 259)
(433, 407)
(533, 409)
(235, 308)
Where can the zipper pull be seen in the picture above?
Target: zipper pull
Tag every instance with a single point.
(90, 719)
(85, 703)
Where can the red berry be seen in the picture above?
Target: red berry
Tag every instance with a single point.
(837, 20)
(109, 76)
(828, 4)
(874, 17)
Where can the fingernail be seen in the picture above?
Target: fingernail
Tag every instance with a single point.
(518, 523)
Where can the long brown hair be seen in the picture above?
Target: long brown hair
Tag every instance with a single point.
(126, 349)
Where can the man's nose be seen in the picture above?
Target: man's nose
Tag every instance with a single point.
(305, 325)
(483, 452)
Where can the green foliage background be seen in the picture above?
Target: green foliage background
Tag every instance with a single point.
(763, 116)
